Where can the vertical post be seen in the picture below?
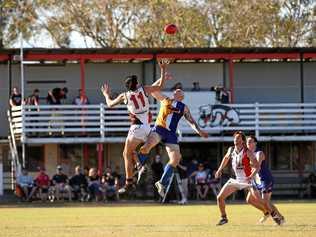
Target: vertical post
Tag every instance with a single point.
(23, 155)
(82, 77)
(143, 73)
(100, 158)
(102, 125)
(107, 157)
(231, 81)
(85, 155)
(22, 69)
(154, 68)
(257, 126)
(302, 77)
(10, 75)
(224, 73)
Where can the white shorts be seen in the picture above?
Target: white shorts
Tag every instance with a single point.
(139, 131)
(240, 185)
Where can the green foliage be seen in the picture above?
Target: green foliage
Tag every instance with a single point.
(140, 23)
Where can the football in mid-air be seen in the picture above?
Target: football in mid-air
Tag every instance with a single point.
(170, 29)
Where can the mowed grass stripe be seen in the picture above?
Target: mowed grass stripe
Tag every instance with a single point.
(153, 220)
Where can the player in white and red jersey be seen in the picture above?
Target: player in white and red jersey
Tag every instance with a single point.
(245, 166)
(136, 100)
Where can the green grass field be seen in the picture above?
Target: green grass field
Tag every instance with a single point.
(151, 220)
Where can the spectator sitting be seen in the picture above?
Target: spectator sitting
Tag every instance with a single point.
(81, 99)
(182, 169)
(196, 86)
(60, 184)
(191, 168)
(94, 185)
(214, 183)
(25, 183)
(15, 98)
(157, 171)
(310, 185)
(42, 183)
(178, 85)
(55, 96)
(79, 184)
(117, 175)
(201, 182)
(110, 184)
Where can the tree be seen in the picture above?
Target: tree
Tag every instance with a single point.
(140, 23)
(17, 16)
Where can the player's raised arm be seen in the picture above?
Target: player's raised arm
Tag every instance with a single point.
(223, 163)
(105, 89)
(193, 124)
(159, 84)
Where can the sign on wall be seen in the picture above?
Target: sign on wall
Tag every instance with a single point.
(207, 111)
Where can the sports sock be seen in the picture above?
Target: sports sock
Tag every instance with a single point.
(129, 181)
(165, 178)
(142, 158)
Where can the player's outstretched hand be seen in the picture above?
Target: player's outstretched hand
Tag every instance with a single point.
(203, 134)
(105, 89)
(163, 63)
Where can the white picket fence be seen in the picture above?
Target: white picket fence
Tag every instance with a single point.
(98, 123)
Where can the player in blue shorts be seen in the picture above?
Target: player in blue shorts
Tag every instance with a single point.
(170, 113)
(264, 180)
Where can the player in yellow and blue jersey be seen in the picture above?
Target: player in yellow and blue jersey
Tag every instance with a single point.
(170, 113)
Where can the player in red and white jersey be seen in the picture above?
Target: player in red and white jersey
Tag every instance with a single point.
(136, 100)
(245, 166)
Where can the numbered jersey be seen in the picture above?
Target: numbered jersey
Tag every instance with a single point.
(138, 106)
(240, 164)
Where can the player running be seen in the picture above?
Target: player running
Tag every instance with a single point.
(136, 100)
(264, 180)
(170, 113)
(245, 166)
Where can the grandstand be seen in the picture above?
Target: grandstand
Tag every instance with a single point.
(272, 95)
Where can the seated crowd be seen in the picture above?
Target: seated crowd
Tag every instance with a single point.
(82, 186)
(57, 95)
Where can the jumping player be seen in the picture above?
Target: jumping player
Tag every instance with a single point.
(264, 180)
(136, 100)
(170, 113)
(245, 166)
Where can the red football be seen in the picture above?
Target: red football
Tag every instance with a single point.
(171, 29)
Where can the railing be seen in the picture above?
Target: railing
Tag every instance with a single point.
(98, 123)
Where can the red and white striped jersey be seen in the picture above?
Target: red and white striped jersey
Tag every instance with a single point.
(240, 164)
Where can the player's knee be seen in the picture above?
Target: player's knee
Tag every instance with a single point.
(219, 198)
(248, 199)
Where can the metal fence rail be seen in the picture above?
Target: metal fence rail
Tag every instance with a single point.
(93, 123)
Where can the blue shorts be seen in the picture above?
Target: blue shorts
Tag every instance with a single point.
(265, 186)
(166, 135)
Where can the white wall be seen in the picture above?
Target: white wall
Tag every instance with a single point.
(254, 82)
(310, 82)
(207, 74)
(267, 82)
